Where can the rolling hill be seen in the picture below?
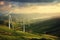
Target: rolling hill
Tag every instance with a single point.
(9, 34)
(50, 26)
(37, 29)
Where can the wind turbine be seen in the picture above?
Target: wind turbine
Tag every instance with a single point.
(10, 20)
(23, 22)
(10, 17)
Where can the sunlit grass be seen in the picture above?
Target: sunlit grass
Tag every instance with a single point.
(9, 34)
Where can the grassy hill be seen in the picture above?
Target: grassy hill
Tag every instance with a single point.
(51, 27)
(40, 29)
(9, 34)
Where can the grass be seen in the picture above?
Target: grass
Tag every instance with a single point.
(9, 34)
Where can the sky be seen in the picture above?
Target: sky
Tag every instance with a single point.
(50, 7)
(30, 0)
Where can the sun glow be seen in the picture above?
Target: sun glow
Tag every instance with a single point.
(51, 8)
(2, 3)
(38, 9)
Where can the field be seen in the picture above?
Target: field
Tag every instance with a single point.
(9, 34)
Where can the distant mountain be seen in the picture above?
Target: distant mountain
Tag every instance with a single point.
(3, 16)
(50, 26)
(32, 16)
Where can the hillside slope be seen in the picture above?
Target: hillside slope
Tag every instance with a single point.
(9, 34)
(51, 26)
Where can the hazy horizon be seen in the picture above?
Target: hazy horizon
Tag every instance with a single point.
(44, 9)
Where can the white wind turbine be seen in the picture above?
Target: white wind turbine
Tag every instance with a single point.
(7, 11)
(10, 17)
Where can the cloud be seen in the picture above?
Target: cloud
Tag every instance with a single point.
(47, 9)
(18, 7)
(30, 0)
(38, 9)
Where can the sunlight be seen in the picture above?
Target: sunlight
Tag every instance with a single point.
(2, 3)
(38, 9)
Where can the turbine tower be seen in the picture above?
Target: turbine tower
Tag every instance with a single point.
(10, 20)
(23, 22)
(9, 16)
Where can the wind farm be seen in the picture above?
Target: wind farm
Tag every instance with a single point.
(29, 20)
